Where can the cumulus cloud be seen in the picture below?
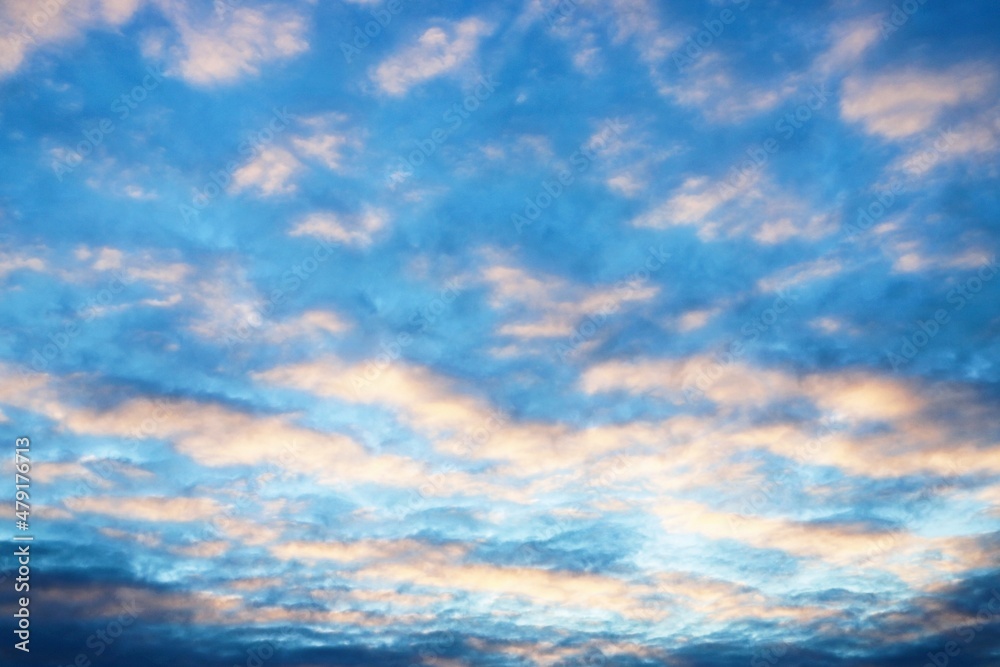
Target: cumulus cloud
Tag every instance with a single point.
(438, 50)
(270, 173)
(899, 104)
(28, 25)
(220, 49)
(359, 230)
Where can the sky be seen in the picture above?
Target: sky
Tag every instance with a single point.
(502, 333)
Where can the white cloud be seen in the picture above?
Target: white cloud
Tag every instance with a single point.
(325, 139)
(309, 324)
(108, 258)
(359, 230)
(713, 86)
(436, 52)
(29, 24)
(742, 204)
(799, 274)
(213, 47)
(638, 22)
(10, 263)
(541, 313)
(226, 47)
(274, 169)
(691, 203)
(900, 104)
(148, 508)
(625, 183)
(324, 147)
(849, 42)
(227, 303)
(693, 320)
(270, 173)
(974, 141)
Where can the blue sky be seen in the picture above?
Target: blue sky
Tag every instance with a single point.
(504, 333)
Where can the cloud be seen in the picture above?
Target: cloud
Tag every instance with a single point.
(324, 147)
(440, 567)
(906, 442)
(428, 401)
(543, 307)
(367, 550)
(214, 435)
(359, 230)
(746, 202)
(274, 169)
(239, 438)
(460, 445)
(693, 320)
(226, 47)
(438, 51)
(849, 42)
(627, 184)
(799, 274)
(736, 383)
(460, 423)
(11, 262)
(28, 25)
(308, 325)
(150, 508)
(899, 104)
(694, 200)
(150, 540)
(270, 173)
(225, 303)
(713, 87)
(53, 470)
